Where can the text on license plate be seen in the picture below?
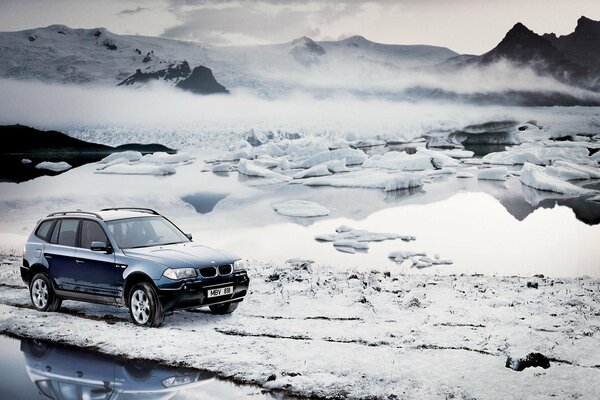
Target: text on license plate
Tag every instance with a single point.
(222, 291)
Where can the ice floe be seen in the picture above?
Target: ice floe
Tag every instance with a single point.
(26, 161)
(493, 173)
(249, 168)
(352, 156)
(138, 169)
(54, 166)
(166, 158)
(469, 172)
(301, 208)
(129, 155)
(400, 161)
(221, 167)
(317, 170)
(419, 259)
(349, 240)
(536, 177)
(539, 155)
(369, 179)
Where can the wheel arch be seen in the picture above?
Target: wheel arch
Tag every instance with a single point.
(133, 279)
(36, 269)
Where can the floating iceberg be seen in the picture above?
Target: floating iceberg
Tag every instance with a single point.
(166, 158)
(54, 166)
(221, 167)
(536, 177)
(539, 155)
(352, 156)
(368, 179)
(26, 161)
(469, 172)
(301, 208)
(493, 173)
(129, 155)
(137, 169)
(317, 170)
(344, 232)
(400, 161)
(247, 167)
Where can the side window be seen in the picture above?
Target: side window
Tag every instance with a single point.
(67, 233)
(43, 231)
(92, 232)
(54, 237)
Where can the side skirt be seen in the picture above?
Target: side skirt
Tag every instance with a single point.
(90, 298)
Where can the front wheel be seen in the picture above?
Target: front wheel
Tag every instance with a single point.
(225, 308)
(42, 293)
(145, 307)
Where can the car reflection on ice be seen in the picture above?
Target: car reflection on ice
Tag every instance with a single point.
(63, 373)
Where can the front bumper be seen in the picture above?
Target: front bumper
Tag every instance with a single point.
(194, 293)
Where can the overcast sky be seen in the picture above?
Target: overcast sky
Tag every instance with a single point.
(466, 26)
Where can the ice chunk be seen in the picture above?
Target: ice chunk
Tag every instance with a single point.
(161, 157)
(459, 153)
(470, 172)
(270, 149)
(473, 161)
(566, 173)
(535, 176)
(317, 170)
(221, 167)
(337, 166)
(266, 161)
(401, 255)
(400, 161)
(352, 156)
(122, 160)
(438, 159)
(360, 235)
(367, 143)
(539, 155)
(368, 179)
(593, 172)
(301, 208)
(493, 173)
(138, 169)
(248, 168)
(26, 161)
(130, 155)
(54, 166)
(338, 143)
(355, 244)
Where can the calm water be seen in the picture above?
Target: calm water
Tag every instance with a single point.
(31, 369)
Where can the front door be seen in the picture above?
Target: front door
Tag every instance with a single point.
(98, 270)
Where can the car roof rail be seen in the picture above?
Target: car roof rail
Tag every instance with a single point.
(139, 209)
(54, 214)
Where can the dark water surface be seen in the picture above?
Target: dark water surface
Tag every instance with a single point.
(31, 369)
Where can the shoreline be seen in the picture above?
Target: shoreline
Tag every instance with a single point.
(331, 334)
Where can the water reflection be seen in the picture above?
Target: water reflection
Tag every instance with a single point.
(66, 373)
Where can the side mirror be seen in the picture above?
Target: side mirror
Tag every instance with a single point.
(100, 246)
(189, 236)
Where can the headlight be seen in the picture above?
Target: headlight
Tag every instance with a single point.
(179, 273)
(178, 380)
(240, 264)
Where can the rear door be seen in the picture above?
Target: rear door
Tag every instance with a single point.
(60, 254)
(97, 269)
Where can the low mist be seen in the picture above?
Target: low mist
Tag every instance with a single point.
(161, 114)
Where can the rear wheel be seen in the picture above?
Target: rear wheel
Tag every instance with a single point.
(225, 308)
(145, 307)
(42, 293)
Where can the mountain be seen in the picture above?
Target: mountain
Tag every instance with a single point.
(549, 55)
(199, 81)
(583, 45)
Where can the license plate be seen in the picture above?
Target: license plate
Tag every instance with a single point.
(222, 291)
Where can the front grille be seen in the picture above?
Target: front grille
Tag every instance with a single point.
(225, 269)
(208, 272)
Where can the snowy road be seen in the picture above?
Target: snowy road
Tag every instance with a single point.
(313, 331)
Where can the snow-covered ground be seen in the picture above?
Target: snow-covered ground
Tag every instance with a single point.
(312, 330)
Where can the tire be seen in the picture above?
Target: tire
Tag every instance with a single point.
(145, 307)
(140, 369)
(41, 293)
(225, 308)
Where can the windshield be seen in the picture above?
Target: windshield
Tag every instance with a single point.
(145, 232)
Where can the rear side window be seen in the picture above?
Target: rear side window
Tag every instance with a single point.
(43, 231)
(67, 232)
(91, 232)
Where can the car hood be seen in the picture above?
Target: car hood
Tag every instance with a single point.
(183, 255)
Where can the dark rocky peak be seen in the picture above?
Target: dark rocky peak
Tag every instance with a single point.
(355, 41)
(202, 81)
(174, 72)
(587, 26)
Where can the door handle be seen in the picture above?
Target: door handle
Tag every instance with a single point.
(48, 256)
(80, 261)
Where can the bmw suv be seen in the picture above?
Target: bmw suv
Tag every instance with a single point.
(132, 257)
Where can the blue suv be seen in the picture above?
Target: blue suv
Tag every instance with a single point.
(131, 257)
